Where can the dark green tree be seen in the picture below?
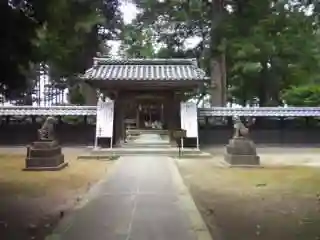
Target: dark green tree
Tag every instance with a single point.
(63, 34)
(252, 43)
(307, 96)
(16, 48)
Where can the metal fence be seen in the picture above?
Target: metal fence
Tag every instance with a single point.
(42, 92)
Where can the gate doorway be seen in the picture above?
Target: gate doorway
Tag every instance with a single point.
(150, 115)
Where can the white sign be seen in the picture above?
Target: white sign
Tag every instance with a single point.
(189, 119)
(104, 124)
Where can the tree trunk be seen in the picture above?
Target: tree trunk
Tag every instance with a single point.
(263, 89)
(89, 93)
(218, 69)
(218, 82)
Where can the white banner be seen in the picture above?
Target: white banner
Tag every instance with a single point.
(104, 123)
(189, 119)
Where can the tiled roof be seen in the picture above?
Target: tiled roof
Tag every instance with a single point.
(145, 69)
(203, 112)
(70, 110)
(261, 111)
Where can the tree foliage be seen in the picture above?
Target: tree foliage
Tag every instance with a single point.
(137, 42)
(16, 48)
(64, 34)
(269, 46)
(266, 47)
(307, 95)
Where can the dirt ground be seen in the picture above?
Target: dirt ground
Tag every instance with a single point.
(279, 203)
(31, 203)
(275, 156)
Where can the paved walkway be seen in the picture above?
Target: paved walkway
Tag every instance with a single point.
(143, 199)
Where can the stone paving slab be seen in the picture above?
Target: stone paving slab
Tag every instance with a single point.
(140, 201)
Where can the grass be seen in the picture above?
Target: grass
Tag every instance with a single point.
(39, 198)
(296, 180)
(77, 175)
(290, 178)
(256, 203)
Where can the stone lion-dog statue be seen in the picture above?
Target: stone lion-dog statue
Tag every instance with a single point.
(46, 132)
(240, 130)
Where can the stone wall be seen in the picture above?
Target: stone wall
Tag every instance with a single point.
(83, 134)
(22, 134)
(263, 136)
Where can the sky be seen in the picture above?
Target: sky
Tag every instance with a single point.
(129, 12)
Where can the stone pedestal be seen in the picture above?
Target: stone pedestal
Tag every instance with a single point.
(44, 155)
(241, 151)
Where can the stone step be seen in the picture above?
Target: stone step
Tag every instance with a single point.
(172, 152)
(112, 157)
(147, 131)
(149, 140)
(144, 145)
(143, 150)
